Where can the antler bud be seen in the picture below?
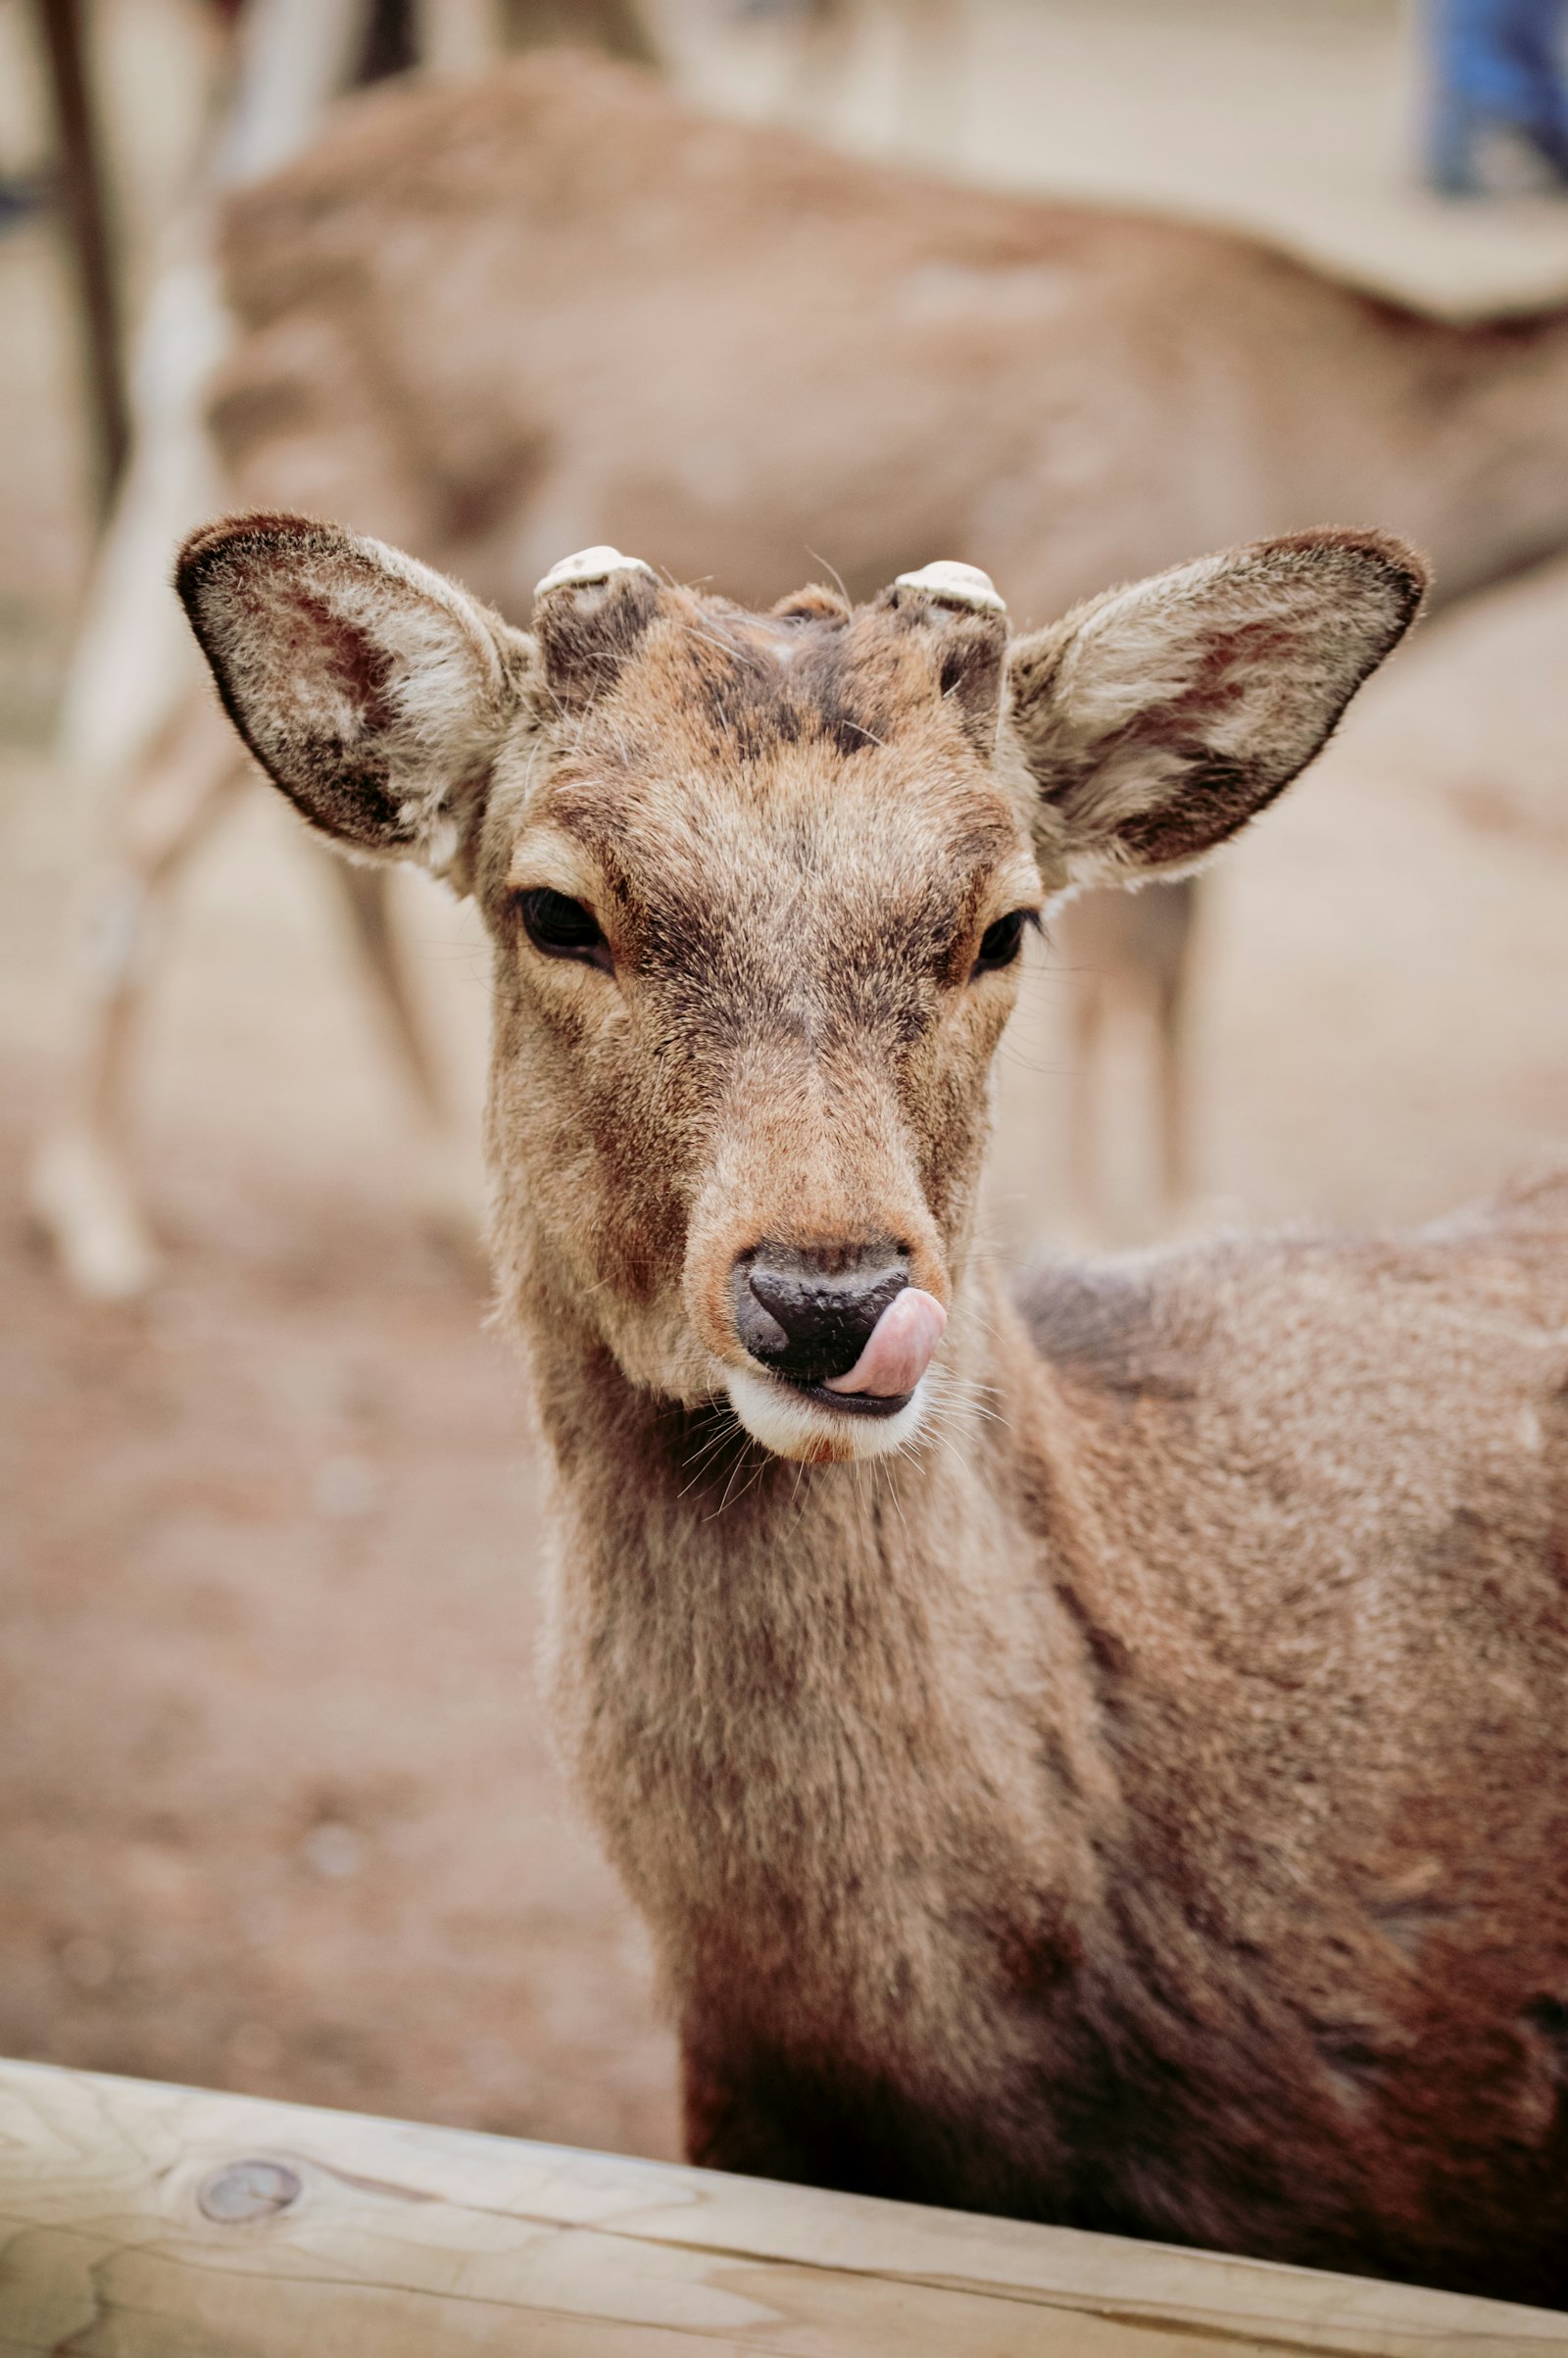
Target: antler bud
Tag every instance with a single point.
(956, 608)
(949, 583)
(589, 613)
(589, 568)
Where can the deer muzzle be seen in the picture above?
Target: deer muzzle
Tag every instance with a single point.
(843, 1335)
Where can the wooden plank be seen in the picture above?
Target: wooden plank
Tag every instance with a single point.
(151, 2222)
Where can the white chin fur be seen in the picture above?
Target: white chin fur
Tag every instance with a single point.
(784, 1421)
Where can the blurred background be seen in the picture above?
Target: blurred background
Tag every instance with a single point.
(276, 1811)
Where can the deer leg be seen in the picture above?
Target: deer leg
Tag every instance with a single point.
(80, 1189)
(445, 1176)
(621, 30)
(619, 27)
(1175, 1159)
(932, 73)
(1087, 1018)
(294, 54)
(459, 37)
(1171, 1102)
(824, 46)
(1180, 902)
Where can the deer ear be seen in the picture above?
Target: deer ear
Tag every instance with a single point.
(1157, 720)
(371, 691)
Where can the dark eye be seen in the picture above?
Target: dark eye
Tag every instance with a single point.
(563, 928)
(1000, 943)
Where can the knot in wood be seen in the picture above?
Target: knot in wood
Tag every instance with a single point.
(249, 2189)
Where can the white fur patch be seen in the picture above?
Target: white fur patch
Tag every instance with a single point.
(951, 583)
(588, 567)
(789, 1424)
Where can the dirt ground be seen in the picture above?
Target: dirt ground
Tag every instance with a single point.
(276, 1809)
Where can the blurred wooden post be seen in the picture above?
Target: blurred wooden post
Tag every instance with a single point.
(148, 2221)
(79, 150)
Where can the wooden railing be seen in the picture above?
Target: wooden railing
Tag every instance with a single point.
(146, 2222)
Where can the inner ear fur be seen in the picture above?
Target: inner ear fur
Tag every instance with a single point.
(1157, 719)
(373, 692)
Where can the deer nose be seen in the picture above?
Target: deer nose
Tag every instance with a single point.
(808, 1313)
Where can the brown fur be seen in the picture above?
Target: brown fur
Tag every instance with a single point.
(1140, 1801)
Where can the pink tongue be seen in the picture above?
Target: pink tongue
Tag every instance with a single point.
(900, 1348)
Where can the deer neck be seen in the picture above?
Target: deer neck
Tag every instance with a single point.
(820, 1712)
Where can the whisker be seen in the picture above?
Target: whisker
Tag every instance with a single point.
(827, 565)
(730, 1484)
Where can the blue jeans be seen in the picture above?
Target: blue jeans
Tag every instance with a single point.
(1497, 62)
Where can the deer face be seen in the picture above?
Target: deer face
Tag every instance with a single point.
(758, 895)
(757, 886)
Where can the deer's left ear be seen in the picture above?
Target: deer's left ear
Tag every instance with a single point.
(373, 692)
(1157, 720)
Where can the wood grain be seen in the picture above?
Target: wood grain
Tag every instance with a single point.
(148, 2222)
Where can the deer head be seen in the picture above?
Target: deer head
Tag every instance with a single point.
(757, 886)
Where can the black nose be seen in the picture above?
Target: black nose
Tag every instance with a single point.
(809, 1314)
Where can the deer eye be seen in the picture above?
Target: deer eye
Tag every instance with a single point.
(1001, 942)
(563, 928)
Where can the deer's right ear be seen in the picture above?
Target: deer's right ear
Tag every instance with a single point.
(371, 691)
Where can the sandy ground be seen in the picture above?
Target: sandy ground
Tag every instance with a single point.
(276, 1810)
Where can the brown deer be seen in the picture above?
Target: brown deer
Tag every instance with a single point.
(556, 307)
(1101, 1757)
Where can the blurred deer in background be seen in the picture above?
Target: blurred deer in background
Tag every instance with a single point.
(127, 710)
(1099, 1755)
(556, 305)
